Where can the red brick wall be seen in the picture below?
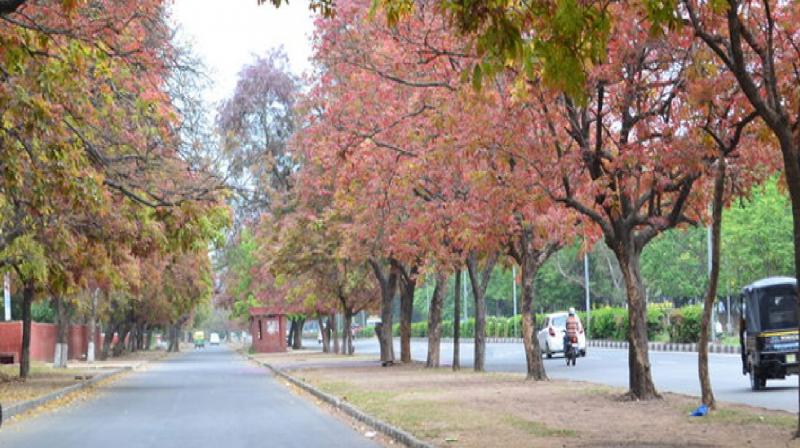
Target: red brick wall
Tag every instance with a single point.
(11, 337)
(79, 342)
(43, 340)
(265, 341)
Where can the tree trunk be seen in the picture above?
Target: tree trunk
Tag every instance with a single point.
(148, 341)
(457, 322)
(133, 338)
(707, 394)
(347, 333)
(326, 337)
(62, 334)
(109, 336)
(28, 292)
(119, 347)
(388, 286)
(478, 292)
(334, 333)
(791, 164)
(531, 262)
(297, 342)
(435, 319)
(90, 353)
(406, 311)
(174, 337)
(640, 377)
(292, 329)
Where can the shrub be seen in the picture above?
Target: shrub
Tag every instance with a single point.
(500, 328)
(685, 324)
(490, 327)
(468, 328)
(366, 332)
(514, 326)
(419, 329)
(447, 328)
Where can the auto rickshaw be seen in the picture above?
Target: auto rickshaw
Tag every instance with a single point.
(768, 330)
(199, 339)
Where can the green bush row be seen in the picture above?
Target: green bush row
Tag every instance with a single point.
(682, 324)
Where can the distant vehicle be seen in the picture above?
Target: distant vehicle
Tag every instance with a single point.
(199, 339)
(768, 332)
(551, 336)
(213, 339)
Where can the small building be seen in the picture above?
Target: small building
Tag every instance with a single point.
(268, 327)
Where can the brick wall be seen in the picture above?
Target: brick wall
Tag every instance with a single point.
(43, 340)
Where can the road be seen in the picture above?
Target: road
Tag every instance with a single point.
(207, 398)
(672, 371)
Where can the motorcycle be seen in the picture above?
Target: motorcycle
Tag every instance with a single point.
(571, 349)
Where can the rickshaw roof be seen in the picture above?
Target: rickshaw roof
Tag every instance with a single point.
(770, 281)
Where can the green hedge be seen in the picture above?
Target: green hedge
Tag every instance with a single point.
(612, 323)
(606, 323)
(685, 324)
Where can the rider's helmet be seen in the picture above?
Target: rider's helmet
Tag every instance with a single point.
(571, 311)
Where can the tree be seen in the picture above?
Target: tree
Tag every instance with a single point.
(256, 124)
(619, 161)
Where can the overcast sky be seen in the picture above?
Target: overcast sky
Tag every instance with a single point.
(226, 34)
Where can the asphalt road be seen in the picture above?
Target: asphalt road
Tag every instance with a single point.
(672, 371)
(207, 398)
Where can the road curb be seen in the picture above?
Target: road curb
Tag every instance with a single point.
(393, 432)
(26, 406)
(605, 343)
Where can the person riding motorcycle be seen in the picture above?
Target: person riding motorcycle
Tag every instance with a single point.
(572, 329)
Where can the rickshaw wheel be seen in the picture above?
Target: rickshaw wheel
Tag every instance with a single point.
(757, 382)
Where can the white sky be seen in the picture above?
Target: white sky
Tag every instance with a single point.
(226, 34)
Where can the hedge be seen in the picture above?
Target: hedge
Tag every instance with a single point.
(682, 324)
(685, 324)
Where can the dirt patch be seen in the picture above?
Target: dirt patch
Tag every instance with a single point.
(503, 409)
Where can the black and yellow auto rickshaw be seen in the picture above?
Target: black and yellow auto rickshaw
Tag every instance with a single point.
(769, 332)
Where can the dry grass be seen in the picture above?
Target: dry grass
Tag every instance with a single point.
(499, 409)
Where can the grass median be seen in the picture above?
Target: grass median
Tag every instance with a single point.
(503, 409)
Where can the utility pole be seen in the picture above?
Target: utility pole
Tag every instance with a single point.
(514, 293)
(7, 296)
(587, 292)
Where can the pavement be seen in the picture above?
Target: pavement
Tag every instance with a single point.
(205, 398)
(672, 371)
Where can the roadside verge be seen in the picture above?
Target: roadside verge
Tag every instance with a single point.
(25, 406)
(439, 407)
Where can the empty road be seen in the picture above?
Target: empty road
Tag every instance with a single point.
(207, 398)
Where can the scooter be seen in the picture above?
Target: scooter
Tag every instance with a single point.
(571, 349)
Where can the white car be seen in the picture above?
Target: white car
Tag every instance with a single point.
(213, 339)
(551, 336)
